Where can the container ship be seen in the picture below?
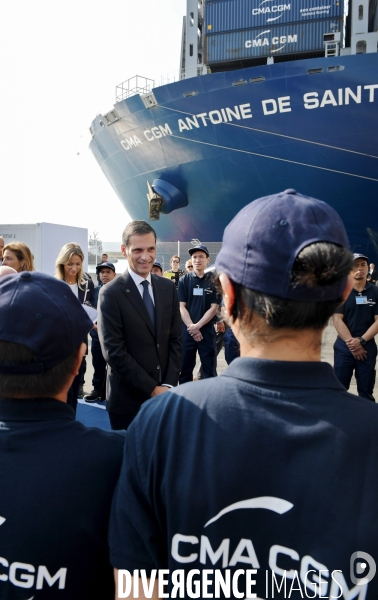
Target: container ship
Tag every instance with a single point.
(271, 95)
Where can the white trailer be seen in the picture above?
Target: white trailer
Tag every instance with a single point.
(45, 241)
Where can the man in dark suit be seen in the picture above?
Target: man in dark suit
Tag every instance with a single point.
(139, 326)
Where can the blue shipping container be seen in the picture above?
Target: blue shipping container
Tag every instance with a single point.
(234, 15)
(269, 41)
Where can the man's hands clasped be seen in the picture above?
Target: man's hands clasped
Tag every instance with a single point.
(195, 332)
(356, 348)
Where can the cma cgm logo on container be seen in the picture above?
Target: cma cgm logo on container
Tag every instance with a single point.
(280, 41)
(276, 10)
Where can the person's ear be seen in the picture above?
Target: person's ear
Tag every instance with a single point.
(228, 293)
(79, 358)
(75, 371)
(124, 250)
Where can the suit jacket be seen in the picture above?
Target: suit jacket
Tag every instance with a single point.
(139, 359)
(87, 292)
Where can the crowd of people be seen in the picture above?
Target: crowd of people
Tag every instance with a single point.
(166, 497)
(70, 269)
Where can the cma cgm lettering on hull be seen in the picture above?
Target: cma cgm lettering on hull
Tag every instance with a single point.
(243, 121)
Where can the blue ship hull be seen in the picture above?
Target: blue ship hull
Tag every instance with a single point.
(316, 132)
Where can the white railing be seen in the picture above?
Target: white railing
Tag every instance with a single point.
(143, 85)
(134, 85)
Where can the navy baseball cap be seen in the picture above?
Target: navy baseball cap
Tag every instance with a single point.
(157, 264)
(355, 256)
(105, 265)
(199, 247)
(262, 242)
(43, 314)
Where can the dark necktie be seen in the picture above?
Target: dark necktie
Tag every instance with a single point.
(148, 302)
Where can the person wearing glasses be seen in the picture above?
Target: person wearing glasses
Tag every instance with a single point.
(188, 266)
(174, 272)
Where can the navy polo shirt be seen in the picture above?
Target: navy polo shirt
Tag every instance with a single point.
(198, 305)
(359, 317)
(57, 481)
(271, 466)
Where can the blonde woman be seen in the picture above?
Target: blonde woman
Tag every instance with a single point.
(18, 256)
(69, 268)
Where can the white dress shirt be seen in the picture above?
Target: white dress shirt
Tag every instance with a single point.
(138, 280)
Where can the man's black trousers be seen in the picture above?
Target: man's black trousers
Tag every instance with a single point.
(345, 364)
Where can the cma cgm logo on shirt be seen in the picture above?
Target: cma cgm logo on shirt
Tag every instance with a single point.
(306, 573)
(25, 575)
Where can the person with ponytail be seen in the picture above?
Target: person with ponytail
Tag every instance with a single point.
(273, 465)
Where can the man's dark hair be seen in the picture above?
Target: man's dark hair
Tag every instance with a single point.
(318, 265)
(45, 385)
(138, 228)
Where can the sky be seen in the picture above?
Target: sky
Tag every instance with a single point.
(60, 62)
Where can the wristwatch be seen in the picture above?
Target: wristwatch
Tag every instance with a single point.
(362, 341)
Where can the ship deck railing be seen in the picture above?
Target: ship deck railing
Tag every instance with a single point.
(134, 85)
(144, 85)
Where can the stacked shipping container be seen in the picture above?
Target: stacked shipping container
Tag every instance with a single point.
(242, 29)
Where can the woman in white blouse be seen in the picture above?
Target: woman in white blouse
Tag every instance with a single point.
(69, 268)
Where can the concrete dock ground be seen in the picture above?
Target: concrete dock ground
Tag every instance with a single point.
(329, 337)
